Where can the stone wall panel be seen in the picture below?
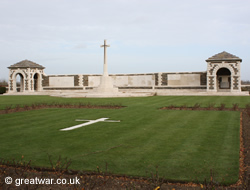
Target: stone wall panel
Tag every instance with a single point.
(164, 79)
(203, 79)
(45, 80)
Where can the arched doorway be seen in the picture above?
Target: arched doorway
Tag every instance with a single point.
(19, 82)
(223, 79)
(35, 82)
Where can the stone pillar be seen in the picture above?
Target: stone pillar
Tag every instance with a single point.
(211, 79)
(11, 82)
(105, 66)
(80, 81)
(28, 81)
(159, 79)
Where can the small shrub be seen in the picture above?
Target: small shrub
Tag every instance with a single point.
(38, 105)
(211, 105)
(196, 106)
(8, 108)
(222, 106)
(211, 183)
(235, 106)
(171, 106)
(80, 105)
(50, 105)
(154, 178)
(17, 108)
(183, 106)
(26, 107)
(66, 105)
(16, 163)
(248, 106)
(61, 165)
(2, 90)
(33, 106)
(248, 109)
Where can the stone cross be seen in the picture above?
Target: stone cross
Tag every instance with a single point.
(88, 123)
(105, 66)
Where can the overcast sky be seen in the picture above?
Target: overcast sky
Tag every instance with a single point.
(144, 35)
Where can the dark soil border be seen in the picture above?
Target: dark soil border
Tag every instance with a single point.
(106, 180)
(8, 110)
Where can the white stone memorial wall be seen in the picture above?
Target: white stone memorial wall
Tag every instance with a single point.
(126, 80)
(67, 81)
(184, 79)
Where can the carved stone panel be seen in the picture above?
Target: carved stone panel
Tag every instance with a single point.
(85, 80)
(156, 79)
(235, 69)
(211, 83)
(235, 83)
(76, 80)
(26, 85)
(164, 80)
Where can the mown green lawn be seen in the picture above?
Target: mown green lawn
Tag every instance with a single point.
(152, 102)
(180, 145)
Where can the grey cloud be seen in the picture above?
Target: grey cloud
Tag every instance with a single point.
(44, 27)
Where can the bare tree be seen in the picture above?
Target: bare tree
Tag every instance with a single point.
(3, 82)
(245, 82)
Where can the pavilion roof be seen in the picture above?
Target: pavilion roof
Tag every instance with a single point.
(26, 64)
(223, 56)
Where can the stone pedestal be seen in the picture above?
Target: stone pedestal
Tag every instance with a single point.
(106, 86)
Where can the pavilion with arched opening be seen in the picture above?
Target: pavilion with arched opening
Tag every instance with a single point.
(30, 75)
(223, 73)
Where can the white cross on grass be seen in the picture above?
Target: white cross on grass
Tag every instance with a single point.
(88, 123)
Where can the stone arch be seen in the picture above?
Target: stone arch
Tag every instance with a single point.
(22, 81)
(224, 78)
(219, 66)
(223, 71)
(217, 80)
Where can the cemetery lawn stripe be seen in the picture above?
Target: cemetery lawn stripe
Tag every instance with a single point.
(151, 102)
(183, 145)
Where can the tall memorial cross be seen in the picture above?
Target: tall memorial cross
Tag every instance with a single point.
(105, 66)
(106, 82)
